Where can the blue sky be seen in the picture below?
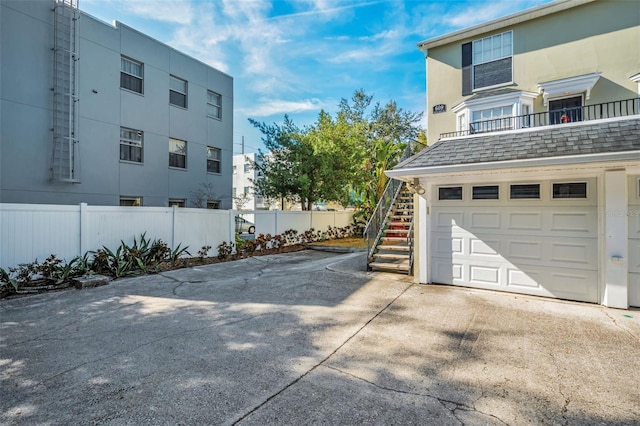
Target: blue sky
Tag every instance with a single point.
(299, 57)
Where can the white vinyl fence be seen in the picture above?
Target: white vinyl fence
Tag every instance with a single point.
(35, 231)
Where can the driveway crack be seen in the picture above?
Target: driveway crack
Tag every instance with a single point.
(323, 361)
(457, 405)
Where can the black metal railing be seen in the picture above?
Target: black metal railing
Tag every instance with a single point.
(373, 231)
(560, 116)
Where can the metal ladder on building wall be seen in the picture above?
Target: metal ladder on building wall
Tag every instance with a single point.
(65, 159)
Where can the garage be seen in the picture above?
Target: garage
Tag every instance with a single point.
(531, 237)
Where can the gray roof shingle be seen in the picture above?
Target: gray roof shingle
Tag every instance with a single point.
(555, 141)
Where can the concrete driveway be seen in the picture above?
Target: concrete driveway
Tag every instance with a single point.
(309, 338)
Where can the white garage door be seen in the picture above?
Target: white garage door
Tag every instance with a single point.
(634, 241)
(543, 246)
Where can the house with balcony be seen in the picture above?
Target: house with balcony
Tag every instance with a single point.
(531, 181)
(103, 114)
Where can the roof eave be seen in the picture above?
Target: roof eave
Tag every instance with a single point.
(499, 23)
(515, 164)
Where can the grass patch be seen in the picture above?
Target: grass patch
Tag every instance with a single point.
(352, 242)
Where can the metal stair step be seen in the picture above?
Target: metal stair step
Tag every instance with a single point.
(391, 267)
(393, 248)
(391, 256)
(395, 231)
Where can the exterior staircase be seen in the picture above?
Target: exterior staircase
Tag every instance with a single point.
(391, 249)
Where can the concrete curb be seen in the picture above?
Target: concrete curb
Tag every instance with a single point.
(332, 249)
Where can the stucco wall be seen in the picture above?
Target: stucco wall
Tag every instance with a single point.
(596, 37)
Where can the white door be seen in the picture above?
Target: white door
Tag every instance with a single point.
(542, 246)
(634, 241)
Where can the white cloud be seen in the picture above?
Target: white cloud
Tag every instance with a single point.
(173, 11)
(473, 15)
(269, 107)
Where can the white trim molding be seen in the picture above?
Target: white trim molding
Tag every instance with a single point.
(568, 86)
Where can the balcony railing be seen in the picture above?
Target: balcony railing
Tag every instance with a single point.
(560, 116)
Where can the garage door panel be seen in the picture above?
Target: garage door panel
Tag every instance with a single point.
(580, 253)
(525, 250)
(482, 247)
(486, 275)
(574, 223)
(485, 220)
(634, 222)
(634, 289)
(524, 221)
(573, 284)
(634, 256)
(522, 280)
(447, 272)
(447, 219)
(445, 245)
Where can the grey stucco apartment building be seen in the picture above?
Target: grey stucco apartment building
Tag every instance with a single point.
(105, 115)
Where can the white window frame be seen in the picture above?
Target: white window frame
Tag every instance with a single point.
(474, 62)
(539, 197)
(174, 140)
(212, 149)
(491, 39)
(139, 77)
(129, 142)
(586, 189)
(184, 91)
(473, 197)
(451, 187)
(214, 105)
(518, 101)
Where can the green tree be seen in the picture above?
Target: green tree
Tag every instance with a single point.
(386, 133)
(336, 159)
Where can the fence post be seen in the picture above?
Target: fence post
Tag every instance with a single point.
(275, 222)
(232, 226)
(173, 227)
(84, 229)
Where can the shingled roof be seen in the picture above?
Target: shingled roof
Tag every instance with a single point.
(551, 141)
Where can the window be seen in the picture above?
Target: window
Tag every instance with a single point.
(131, 75)
(486, 192)
(130, 145)
(234, 192)
(491, 119)
(130, 201)
(570, 190)
(495, 113)
(214, 105)
(213, 204)
(566, 110)
(177, 202)
(177, 92)
(213, 160)
(235, 170)
(525, 191)
(177, 153)
(246, 190)
(247, 167)
(450, 193)
(487, 62)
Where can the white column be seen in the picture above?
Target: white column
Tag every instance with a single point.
(422, 259)
(616, 244)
